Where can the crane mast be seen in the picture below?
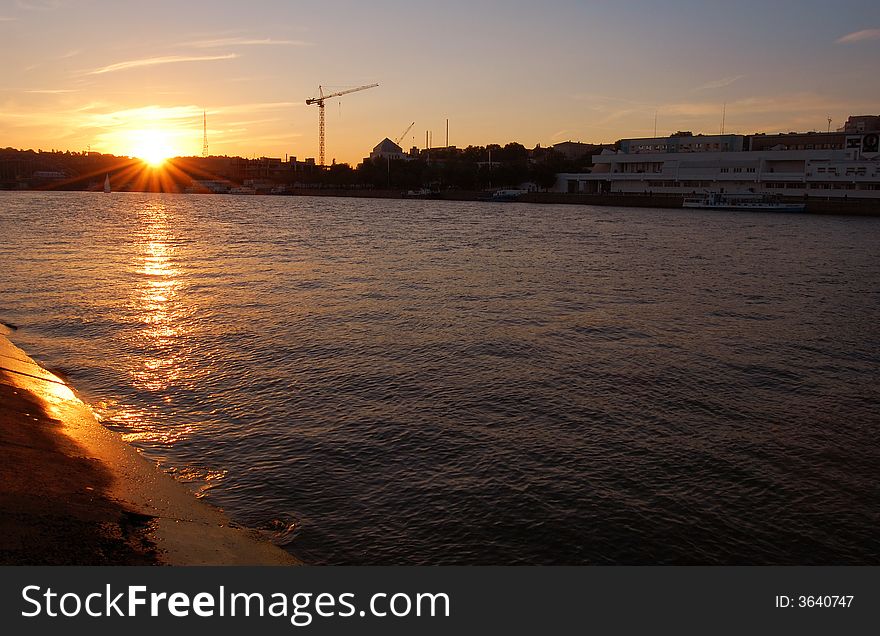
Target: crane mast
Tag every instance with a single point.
(320, 102)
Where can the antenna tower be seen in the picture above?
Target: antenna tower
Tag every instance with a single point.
(204, 133)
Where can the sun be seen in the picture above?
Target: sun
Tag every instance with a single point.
(152, 146)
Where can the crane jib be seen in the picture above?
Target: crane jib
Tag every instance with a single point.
(320, 102)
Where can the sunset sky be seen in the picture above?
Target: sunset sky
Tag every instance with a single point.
(122, 76)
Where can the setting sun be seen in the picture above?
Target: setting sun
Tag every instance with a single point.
(152, 146)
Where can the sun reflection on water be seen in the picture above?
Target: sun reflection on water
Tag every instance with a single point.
(158, 348)
(156, 302)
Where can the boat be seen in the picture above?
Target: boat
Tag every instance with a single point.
(750, 201)
(424, 193)
(508, 195)
(107, 184)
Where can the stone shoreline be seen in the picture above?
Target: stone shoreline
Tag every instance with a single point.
(74, 493)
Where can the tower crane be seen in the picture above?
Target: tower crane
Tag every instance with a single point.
(320, 102)
(399, 139)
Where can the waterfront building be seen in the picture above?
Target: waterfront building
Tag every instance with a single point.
(835, 164)
(387, 149)
(861, 123)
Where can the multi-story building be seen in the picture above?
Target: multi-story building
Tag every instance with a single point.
(836, 164)
(861, 123)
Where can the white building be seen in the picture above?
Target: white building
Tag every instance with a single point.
(387, 149)
(806, 164)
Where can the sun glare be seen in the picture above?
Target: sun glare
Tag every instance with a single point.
(152, 146)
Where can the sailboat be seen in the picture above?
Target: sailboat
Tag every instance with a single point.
(107, 183)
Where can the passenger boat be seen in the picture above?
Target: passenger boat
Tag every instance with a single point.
(753, 202)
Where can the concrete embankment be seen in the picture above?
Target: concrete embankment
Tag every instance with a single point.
(622, 200)
(859, 207)
(73, 492)
(444, 195)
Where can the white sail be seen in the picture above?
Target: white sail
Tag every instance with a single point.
(107, 183)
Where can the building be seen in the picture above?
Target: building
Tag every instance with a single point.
(861, 123)
(574, 150)
(794, 164)
(797, 141)
(682, 142)
(387, 149)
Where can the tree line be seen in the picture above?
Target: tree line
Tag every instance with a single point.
(465, 169)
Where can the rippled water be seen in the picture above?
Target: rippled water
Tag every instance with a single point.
(428, 382)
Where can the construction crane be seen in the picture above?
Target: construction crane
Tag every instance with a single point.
(320, 102)
(399, 139)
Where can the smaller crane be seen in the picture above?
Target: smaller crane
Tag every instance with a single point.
(399, 139)
(320, 102)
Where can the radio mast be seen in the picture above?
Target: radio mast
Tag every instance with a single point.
(205, 133)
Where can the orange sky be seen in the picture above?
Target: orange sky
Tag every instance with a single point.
(133, 78)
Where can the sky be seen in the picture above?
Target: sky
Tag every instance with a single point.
(134, 77)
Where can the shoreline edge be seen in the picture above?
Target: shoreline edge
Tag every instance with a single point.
(73, 492)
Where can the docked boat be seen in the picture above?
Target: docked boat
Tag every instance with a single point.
(508, 195)
(424, 193)
(752, 202)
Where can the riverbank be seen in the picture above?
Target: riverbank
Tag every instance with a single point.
(815, 205)
(74, 493)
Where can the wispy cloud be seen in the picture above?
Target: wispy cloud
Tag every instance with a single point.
(39, 5)
(154, 61)
(252, 78)
(757, 113)
(254, 122)
(143, 116)
(250, 139)
(4, 18)
(241, 41)
(248, 108)
(559, 134)
(52, 91)
(719, 83)
(802, 102)
(859, 36)
(777, 113)
(596, 99)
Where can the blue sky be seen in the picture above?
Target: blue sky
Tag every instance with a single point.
(90, 72)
